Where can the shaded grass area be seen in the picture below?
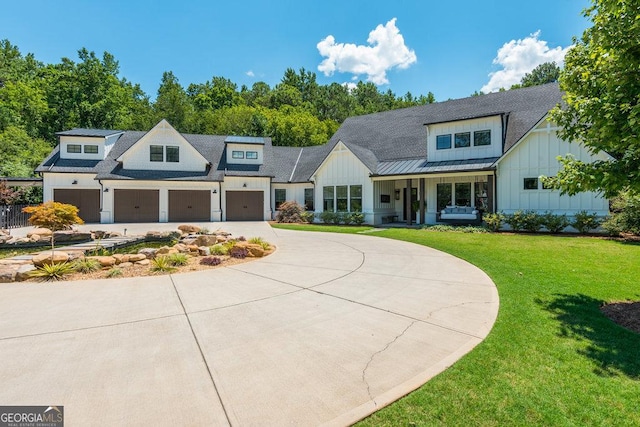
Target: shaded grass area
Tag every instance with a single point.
(552, 358)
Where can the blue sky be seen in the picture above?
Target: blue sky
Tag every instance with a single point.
(448, 48)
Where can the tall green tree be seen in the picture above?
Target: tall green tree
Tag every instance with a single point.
(548, 72)
(601, 79)
(173, 103)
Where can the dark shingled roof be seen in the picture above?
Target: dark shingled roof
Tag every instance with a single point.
(387, 143)
(400, 134)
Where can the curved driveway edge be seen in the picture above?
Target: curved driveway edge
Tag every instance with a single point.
(325, 331)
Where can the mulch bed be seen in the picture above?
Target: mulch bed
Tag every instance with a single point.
(625, 314)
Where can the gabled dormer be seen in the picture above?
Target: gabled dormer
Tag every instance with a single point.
(87, 144)
(472, 138)
(163, 148)
(244, 150)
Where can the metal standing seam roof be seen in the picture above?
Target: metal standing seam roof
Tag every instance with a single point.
(89, 132)
(244, 140)
(422, 166)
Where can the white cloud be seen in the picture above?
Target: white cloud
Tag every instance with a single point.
(386, 50)
(250, 73)
(519, 57)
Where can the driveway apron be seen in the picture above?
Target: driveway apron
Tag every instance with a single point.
(328, 329)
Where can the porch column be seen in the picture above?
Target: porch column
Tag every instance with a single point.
(407, 201)
(491, 195)
(423, 218)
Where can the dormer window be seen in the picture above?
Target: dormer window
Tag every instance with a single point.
(463, 140)
(443, 142)
(237, 154)
(91, 149)
(156, 153)
(252, 155)
(173, 154)
(74, 148)
(482, 137)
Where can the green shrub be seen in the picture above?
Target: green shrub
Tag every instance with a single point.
(260, 241)
(162, 264)
(177, 260)
(114, 272)
(53, 272)
(219, 249)
(328, 217)
(356, 218)
(308, 217)
(555, 223)
(339, 218)
(493, 220)
(584, 221)
(524, 220)
(86, 265)
(625, 215)
(290, 212)
(455, 228)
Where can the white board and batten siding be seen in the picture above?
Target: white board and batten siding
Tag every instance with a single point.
(492, 123)
(295, 192)
(163, 134)
(83, 181)
(535, 155)
(107, 217)
(83, 142)
(342, 167)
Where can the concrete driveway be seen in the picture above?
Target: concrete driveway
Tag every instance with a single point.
(325, 331)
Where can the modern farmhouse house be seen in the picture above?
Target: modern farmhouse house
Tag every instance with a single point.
(451, 160)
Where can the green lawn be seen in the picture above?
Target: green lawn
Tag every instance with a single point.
(551, 358)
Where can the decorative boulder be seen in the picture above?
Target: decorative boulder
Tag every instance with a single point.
(74, 255)
(71, 236)
(125, 264)
(205, 240)
(166, 250)
(48, 258)
(8, 273)
(182, 248)
(136, 257)
(105, 261)
(204, 251)
(100, 234)
(143, 262)
(187, 228)
(254, 250)
(40, 233)
(24, 272)
(221, 239)
(148, 252)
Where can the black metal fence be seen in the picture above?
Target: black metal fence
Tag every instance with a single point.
(11, 216)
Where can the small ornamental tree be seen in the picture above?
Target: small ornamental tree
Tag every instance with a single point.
(54, 216)
(8, 195)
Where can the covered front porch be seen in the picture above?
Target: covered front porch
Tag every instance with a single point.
(420, 199)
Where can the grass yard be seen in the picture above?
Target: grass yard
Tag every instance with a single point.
(552, 358)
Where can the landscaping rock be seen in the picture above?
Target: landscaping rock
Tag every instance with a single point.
(136, 257)
(40, 232)
(118, 258)
(99, 234)
(8, 273)
(74, 255)
(221, 239)
(204, 251)
(189, 240)
(71, 236)
(143, 262)
(254, 249)
(24, 272)
(148, 252)
(48, 258)
(166, 235)
(125, 264)
(105, 261)
(4, 238)
(187, 228)
(166, 250)
(206, 240)
(182, 248)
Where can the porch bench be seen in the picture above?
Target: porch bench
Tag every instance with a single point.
(460, 214)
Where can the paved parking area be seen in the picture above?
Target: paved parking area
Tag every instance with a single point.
(325, 331)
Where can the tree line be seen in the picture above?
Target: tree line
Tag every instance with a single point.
(37, 100)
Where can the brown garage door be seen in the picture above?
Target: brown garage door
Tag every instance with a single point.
(136, 205)
(189, 205)
(245, 205)
(87, 202)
